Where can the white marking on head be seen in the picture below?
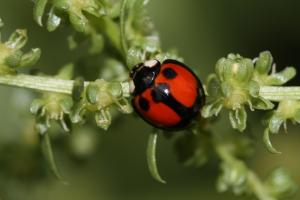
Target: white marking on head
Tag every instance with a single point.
(150, 63)
(131, 86)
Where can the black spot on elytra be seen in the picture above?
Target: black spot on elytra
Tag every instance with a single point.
(169, 73)
(144, 104)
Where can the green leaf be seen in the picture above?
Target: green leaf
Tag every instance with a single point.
(151, 157)
(30, 58)
(268, 143)
(238, 118)
(38, 10)
(48, 153)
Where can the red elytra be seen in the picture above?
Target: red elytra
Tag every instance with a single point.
(168, 95)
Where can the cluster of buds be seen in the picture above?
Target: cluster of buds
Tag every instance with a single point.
(11, 55)
(237, 83)
(98, 97)
(74, 8)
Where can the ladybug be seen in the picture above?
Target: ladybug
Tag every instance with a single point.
(168, 95)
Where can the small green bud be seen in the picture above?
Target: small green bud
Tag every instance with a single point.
(63, 4)
(14, 59)
(275, 123)
(235, 69)
(79, 21)
(66, 104)
(238, 118)
(115, 89)
(103, 119)
(53, 21)
(212, 109)
(264, 62)
(30, 58)
(262, 104)
(17, 39)
(92, 93)
(282, 77)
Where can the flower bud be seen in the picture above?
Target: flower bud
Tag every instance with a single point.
(264, 62)
(235, 69)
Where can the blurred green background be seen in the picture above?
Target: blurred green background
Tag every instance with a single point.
(112, 165)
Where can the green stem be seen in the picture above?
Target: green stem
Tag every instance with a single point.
(273, 93)
(123, 27)
(46, 84)
(279, 93)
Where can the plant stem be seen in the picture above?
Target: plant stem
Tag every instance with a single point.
(279, 93)
(273, 93)
(123, 27)
(46, 84)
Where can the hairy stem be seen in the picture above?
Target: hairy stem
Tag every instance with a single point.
(47, 84)
(273, 93)
(279, 93)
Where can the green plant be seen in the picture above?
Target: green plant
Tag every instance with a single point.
(123, 34)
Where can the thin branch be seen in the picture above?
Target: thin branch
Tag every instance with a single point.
(273, 93)
(279, 93)
(46, 84)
